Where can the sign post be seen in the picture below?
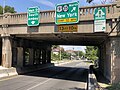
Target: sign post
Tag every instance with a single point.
(100, 20)
(33, 16)
(67, 13)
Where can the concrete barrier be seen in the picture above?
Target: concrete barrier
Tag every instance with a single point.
(8, 72)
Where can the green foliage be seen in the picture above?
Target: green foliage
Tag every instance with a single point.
(55, 46)
(1, 10)
(91, 52)
(55, 57)
(89, 1)
(81, 53)
(114, 87)
(7, 9)
(65, 55)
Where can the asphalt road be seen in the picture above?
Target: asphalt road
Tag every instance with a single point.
(72, 76)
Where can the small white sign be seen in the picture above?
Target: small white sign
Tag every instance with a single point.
(100, 25)
(100, 20)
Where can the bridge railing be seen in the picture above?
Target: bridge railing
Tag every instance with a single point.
(110, 8)
(86, 13)
(1, 19)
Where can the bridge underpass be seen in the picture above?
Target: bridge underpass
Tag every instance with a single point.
(39, 46)
(96, 39)
(17, 38)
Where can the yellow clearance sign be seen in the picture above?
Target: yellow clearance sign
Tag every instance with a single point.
(67, 28)
(67, 20)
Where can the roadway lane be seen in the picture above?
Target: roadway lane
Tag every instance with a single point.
(70, 76)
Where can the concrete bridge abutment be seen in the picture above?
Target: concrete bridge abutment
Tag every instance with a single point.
(114, 52)
(6, 51)
(109, 64)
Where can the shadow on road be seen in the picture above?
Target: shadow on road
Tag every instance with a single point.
(75, 88)
(64, 73)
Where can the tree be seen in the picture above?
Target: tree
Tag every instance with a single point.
(91, 52)
(81, 53)
(89, 1)
(7, 9)
(55, 46)
(65, 55)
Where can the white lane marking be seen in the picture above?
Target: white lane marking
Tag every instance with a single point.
(39, 84)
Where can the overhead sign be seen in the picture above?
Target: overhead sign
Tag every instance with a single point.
(33, 16)
(67, 28)
(67, 13)
(100, 19)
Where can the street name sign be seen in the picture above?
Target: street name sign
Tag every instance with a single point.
(67, 13)
(33, 16)
(100, 19)
(67, 28)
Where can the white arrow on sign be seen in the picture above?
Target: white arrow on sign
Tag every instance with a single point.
(33, 22)
(73, 9)
(100, 13)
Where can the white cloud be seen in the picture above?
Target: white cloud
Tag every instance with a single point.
(45, 2)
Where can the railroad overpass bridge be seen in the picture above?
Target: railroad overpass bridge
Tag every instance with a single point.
(17, 38)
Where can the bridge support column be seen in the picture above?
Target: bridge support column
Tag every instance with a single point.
(40, 57)
(31, 51)
(48, 56)
(6, 51)
(106, 59)
(20, 57)
(43, 56)
(115, 59)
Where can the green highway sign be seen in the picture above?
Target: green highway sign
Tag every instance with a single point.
(100, 19)
(33, 16)
(67, 13)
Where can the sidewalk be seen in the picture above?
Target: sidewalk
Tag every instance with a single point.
(102, 81)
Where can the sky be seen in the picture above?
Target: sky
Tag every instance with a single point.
(22, 5)
(76, 48)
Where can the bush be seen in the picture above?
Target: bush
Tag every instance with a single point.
(114, 87)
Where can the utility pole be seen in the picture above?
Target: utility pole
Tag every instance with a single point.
(4, 1)
(60, 53)
(78, 54)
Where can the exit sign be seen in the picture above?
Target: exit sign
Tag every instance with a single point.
(67, 13)
(33, 16)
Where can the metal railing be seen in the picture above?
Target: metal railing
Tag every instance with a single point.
(92, 83)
